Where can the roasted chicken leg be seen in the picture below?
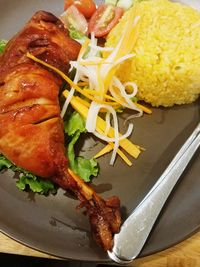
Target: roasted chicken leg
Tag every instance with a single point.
(31, 130)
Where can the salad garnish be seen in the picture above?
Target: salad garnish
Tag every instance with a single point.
(74, 126)
(96, 93)
(27, 180)
(100, 92)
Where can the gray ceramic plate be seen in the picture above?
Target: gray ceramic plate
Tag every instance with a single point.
(52, 224)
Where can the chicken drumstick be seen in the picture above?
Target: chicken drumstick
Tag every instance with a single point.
(31, 130)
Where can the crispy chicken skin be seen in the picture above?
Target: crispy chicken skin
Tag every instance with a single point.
(31, 130)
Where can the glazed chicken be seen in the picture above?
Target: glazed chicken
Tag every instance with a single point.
(31, 129)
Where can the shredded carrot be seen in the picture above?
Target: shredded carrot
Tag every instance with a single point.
(83, 48)
(104, 151)
(127, 145)
(127, 44)
(94, 92)
(87, 104)
(82, 101)
(108, 148)
(91, 63)
(69, 81)
(145, 109)
(80, 84)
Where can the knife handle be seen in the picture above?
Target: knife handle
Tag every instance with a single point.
(136, 229)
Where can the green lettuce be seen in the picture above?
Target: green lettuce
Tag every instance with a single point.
(85, 168)
(28, 180)
(2, 45)
(77, 35)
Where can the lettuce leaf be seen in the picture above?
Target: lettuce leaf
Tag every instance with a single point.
(85, 168)
(2, 45)
(28, 180)
(35, 184)
(76, 35)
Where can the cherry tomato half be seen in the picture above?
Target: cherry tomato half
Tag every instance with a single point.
(104, 19)
(86, 7)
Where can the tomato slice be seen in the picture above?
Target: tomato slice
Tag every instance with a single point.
(86, 7)
(104, 19)
(73, 18)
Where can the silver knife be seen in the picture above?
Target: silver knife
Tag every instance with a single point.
(135, 230)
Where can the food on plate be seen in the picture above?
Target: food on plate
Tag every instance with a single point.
(31, 129)
(95, 102)
(99, 94)
(166, 66)
(144, 58)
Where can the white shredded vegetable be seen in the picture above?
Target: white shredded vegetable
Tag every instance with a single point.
(108, 123)
(101, 48)
(91, 125)
(122, 137)
(129, 103)
(68, 99)
(99, 74)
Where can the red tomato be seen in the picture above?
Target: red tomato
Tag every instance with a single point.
(104, 19)
(86, 7)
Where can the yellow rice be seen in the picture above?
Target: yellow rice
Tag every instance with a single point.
(167, 63)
